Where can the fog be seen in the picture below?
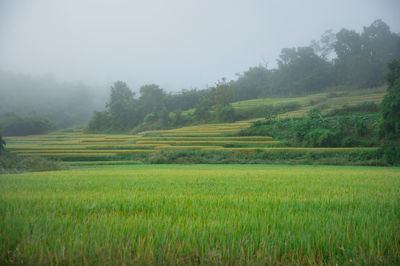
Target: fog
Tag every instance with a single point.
(176, 44)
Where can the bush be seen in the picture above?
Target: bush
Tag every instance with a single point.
(391, 153)
(321, 137)
(318, 130)
(100, 122)
(225, 114)
(14, 163)
(361, 157)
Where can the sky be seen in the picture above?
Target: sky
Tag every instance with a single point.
(177, 44)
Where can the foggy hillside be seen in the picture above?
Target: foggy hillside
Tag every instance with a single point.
(64, 104)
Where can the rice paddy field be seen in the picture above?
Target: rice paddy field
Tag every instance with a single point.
(324, 101)
(110, 209)
(201, 214)
(76, 146)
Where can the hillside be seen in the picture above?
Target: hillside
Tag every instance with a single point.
(220, 139)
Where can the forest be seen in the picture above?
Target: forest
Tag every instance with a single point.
(346, 60)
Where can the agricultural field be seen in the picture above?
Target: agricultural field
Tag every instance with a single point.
(326, 101)
(76, 146)
(63, 145)
(201, 214)
(73, 145)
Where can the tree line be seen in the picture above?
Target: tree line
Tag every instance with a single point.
(344, 60)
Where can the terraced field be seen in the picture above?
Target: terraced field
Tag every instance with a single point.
(64, 145)
(324, 101)
(76, 146)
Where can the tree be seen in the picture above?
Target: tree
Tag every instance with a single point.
(225, 113)
(362, 58)
(324, 47)
(120, 106)
(390, 128)
(151, 97)
(99, 122)
(222, 93)
(391, 103)
(14, 125)
(302, 71)
(202, 110)
(252, 83)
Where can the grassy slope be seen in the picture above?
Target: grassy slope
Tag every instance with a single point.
(326, 101)
(73, 145)
(225, 214)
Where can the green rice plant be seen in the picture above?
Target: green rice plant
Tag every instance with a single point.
(68, 154)
(296, 149)
(202, 214)
(209, 138)
(206, 142)
(96, 163)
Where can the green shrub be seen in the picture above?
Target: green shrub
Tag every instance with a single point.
(14, 163)
(318, 130)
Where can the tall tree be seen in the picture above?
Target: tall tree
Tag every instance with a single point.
(151, 98)
(223, 92)
(390, 127)
(302, 71)
(252, 83)
(391, 103)
(362, 58)
(121, 106)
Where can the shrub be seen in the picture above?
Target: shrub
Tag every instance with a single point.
(321, 137)
(14, 163)
(391, 152)
(225, 113)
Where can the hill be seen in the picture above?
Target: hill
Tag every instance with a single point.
(210, 143)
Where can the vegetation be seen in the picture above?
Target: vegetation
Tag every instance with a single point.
(390, 128)
(201, 215)
(38, 99)
(11, 163)
(13, 125)
(209, 143)
(344, 61)
(355, 126)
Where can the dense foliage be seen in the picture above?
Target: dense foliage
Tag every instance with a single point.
(390, 128)
(14, 125)
(343, 60)
(12, 163)
(355, 126)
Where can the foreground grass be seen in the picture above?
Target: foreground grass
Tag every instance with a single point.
(201, 214)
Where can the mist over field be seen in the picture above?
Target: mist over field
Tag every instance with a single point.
(60, 59)
(176, 44)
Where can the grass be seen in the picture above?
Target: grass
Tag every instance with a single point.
(325, 101)
(201, 214)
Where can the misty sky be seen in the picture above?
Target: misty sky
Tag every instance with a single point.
(174, 43)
